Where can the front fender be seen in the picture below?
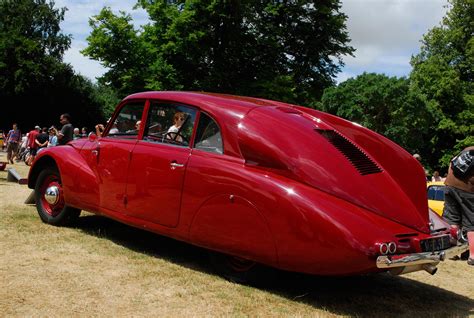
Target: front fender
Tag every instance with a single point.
(80, 185)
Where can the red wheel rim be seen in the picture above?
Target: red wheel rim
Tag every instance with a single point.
(58, 206)
(239, 264)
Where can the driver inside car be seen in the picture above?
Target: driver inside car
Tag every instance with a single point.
(173, 131)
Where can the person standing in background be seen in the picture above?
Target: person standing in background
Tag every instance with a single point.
(53, 139)
(436, 177)
(459, 196)
(13, 140)
(76, 134)
(418, 157)
(42, 140)
(32, 144)
(66, 133)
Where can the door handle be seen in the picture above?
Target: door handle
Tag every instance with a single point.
(175, 165)
(95, 152)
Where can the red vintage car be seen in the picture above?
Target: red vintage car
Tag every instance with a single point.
(260, 181)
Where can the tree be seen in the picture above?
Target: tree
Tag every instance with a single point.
(387, 105)
(31, 46)
(443, 72)
(287, 50)
(115, 42)
(35, 85)
(431, 112)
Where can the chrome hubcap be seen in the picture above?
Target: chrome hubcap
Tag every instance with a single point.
(51, 195)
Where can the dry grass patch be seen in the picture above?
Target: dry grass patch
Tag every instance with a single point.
(102, 268)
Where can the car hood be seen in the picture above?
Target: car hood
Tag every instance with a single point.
(338, 157)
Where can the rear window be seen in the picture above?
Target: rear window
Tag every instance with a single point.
(436, 193)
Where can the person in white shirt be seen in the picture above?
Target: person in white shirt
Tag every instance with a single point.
(178, 121)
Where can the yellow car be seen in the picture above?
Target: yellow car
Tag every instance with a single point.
(436, 196)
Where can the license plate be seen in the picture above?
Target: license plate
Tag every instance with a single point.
(435, 244)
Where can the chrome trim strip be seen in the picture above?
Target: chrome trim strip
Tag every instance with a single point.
(392, 261)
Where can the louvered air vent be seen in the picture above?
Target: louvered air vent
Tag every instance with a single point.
(357, 157)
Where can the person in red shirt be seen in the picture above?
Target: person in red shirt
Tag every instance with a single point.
(32, 144)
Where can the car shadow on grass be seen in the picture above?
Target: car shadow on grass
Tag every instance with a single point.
(368, 295)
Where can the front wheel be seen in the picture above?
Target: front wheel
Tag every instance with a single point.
(50, 203)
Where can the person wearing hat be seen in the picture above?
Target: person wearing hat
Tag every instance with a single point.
(32, 144)
(459, 196)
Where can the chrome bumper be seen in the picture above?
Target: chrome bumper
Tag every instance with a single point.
(405, 260)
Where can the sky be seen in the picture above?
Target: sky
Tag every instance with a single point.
(385, 33)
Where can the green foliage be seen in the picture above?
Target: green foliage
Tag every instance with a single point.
(443, 72)
(387, 105)
(107, 98)
(31, 46)
(432, 112)
(33, 78)
(116, 44)
(289, 50)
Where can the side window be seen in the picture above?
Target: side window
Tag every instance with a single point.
(208, 135)
(128, 121)
(170, 123)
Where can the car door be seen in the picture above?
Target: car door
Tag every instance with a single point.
(158, 164)
(109, 156)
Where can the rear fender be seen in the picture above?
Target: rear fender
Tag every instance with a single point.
(318, 233)
(231, 224)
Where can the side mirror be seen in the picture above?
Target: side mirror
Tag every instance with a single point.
(92, 137)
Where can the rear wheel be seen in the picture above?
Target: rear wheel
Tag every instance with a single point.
(50, 203)
(239, 270)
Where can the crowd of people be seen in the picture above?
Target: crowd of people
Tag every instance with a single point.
(24, 147)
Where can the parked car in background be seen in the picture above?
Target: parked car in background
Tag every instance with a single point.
(435, 192)
(257, 181)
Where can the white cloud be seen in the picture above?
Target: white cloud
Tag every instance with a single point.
(76, 23)
(386, 33)
(81, 64)
(343, 76)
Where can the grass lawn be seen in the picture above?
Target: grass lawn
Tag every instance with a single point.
(102, 268)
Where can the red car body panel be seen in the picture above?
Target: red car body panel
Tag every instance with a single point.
(153, 189)
(282, 193)
(405, 171)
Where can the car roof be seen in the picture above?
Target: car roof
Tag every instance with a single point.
(228, 110)
(207, 100)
